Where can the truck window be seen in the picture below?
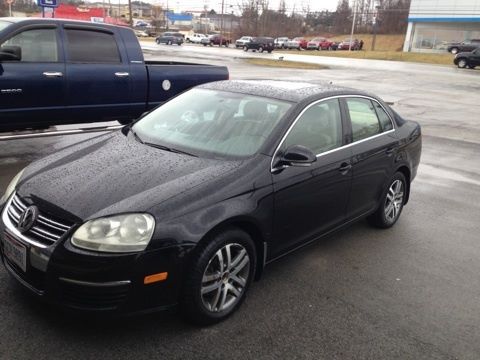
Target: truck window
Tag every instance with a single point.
(38, 45)
(88, 46)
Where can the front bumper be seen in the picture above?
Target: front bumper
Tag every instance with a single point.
(82, 280)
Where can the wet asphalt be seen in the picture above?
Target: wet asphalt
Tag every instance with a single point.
(410, 292)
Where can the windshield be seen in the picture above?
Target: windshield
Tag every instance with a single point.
(211, 123)
(4, 24)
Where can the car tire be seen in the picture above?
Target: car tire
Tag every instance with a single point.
(260, 49)
(157, 41)
(169, 42)
(391, 203)
(245, 48)
(462, 63)
(454, 51)
(215, 287)
(269, 51)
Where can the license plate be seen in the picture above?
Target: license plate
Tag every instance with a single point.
(15, 252)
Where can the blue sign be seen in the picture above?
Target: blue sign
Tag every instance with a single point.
(48, 3)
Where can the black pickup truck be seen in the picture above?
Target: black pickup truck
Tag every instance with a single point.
(63, 71)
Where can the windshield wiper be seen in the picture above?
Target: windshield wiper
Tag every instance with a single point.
(136, 136)
(163, 147)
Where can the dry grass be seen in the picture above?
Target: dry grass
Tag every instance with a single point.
(285, 64)
(383, 42)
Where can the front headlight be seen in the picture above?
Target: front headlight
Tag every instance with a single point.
(119, 233)
(11, 187)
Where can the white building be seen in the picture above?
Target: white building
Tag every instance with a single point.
(434, 23)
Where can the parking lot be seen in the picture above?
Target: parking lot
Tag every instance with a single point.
(410, 292)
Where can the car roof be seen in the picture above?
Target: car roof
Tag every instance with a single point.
(282, 90)
(54, 20)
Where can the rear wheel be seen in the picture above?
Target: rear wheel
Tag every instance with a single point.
(245, 48)
(222, 270)
(462, 63)
(157, 41)
(260, 49)
(391, 204)
(454, 51)
(169, 42)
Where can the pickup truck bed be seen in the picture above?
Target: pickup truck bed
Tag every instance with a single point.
(62, 71)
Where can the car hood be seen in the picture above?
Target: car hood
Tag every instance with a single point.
(114, 173)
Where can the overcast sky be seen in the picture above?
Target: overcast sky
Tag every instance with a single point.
(196, 5)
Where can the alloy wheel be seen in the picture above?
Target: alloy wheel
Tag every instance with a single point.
(225, 278)
(394, 201)
(462, 63)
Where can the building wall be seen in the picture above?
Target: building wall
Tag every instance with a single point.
(434, 23)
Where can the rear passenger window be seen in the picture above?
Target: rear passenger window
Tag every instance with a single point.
(383, 117)
(91, 47)
(363, 117)
(319, 128)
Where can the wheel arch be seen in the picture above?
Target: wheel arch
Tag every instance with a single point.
(252, 228)
(407, 173)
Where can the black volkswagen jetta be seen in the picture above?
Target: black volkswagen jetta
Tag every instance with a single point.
(190, 203)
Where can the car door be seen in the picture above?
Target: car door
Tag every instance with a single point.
(98, 74)
(32, 88)
(374, 146)
(311, 200)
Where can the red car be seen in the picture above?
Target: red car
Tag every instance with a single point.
(297, 43)
(345, 45)
(320, 44)
(216, 39)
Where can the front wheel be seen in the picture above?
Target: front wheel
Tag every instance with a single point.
(157, 41)
(245, 48)
(222, 270)
(454, 51)
(462, 63)
(391, 203)
(260, 49)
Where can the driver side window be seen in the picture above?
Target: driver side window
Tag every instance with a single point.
(37, 45)
(319, 128)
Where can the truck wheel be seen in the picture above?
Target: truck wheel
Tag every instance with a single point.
(157, 41)
(462, 63)
(245, 48)
(221, 271)
(204, 44)
(269, 51)
(169, 42)
(260, 49)
(454, 51)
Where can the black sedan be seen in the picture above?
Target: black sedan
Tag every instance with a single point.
(187, 206)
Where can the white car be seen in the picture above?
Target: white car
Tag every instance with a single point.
(240, 43)
(195, 38)
(281, 42)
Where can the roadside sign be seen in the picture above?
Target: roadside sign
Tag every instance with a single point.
(48, 3)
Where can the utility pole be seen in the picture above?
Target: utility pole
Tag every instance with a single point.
(130, 17)
(375, 15)
(353, 24)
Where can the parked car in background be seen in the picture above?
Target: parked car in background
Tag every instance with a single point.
(465, 46)
(297, 43)
(62, 72)
(187, 206)
(468, 59)
(170, 38)
(195, 38)
(240, 43)
(319, 44)
(260, 44)
(216, 39)
(345, 45)
(281, 42)
(140, 33)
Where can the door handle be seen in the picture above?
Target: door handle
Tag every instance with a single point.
(122, 74)
(344, 167)
(53, 74)
(389, 151)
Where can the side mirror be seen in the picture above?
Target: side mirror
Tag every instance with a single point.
(297, 155)
(10, 53)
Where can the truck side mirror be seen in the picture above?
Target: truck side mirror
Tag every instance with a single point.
(10, 53)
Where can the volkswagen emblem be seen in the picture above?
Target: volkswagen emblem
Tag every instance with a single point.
(27, 219)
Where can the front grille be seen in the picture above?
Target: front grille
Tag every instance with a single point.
(46, 230)
(93, 297)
